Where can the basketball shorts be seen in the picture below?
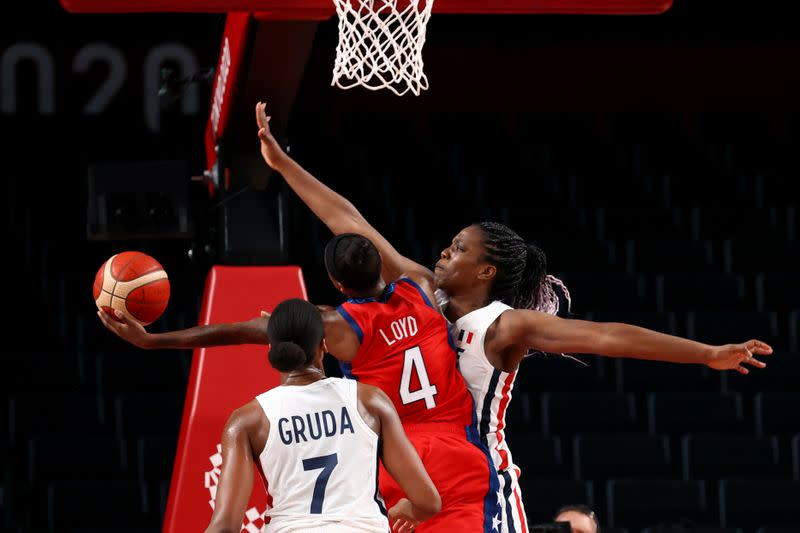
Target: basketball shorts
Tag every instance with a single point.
(463, 474)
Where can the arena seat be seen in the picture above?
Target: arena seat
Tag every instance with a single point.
(566, 414)
(155, 455)
(671, 256)
(539, 456)
(121, 505)
(778, 529)
(759, 255)
(607, 291)
(143, 372)
(551, 372)
(694, 412)
(601, 457)
(642, 223)
(719, 327)
(660, 321)
(586, 255)
(712, 457)
(796, 457)
(639, 376)
(776, 412)
(141, 413)
(72, 457)
(42, 415)
(544, 497)
(794, 330)
(701, 291)
(721, 223)
(776, 502)
(777, 291)
(639, 503)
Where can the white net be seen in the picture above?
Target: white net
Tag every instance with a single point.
(380, 44)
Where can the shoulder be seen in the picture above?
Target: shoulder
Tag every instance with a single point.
(509, 324)
(423, 283)
(372, 397)
(245, 420)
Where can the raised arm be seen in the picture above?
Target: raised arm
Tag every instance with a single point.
(402, 462)
(245, 426)
(334, 210)
(519, 330)
(250, 332)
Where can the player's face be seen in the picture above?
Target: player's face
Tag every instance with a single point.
(461, 263)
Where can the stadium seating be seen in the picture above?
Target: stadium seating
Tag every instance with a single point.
(695, 412)
(777, 290)
(702, 290)
(141, 372)
(71, 456)
(607, 291)
(773, 416)
(796, 457)
(154, 456)
(148, 413)
(717, 327)
(671, 256)
(553, 372)
(718, 457)
(43, 414)
(640, 503)
(544, 497)
(566, 414)
(116, 505)
(539, 457)
(602, 457)
(776, 502)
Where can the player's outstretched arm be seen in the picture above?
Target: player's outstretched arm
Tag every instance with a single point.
(334, 210)
(236, 479)
(402, 462)
(531, 329)
(250, 332)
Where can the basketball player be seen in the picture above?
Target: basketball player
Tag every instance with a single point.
(496, 286)
(312, 439)
(392, 337)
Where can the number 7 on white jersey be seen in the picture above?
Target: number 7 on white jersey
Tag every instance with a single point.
(413, 361)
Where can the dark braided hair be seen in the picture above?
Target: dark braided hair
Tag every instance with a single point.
(522, 280)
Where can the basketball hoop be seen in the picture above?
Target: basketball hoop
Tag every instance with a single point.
(380, 45)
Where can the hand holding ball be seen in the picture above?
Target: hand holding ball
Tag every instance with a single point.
(134, 283)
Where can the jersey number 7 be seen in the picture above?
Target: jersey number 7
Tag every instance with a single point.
(413, 362)
(327, 463)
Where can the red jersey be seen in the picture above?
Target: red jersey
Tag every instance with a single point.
(407, 352)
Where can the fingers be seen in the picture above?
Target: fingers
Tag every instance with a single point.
(259, 114)
(403, 525)
(742, 370)
(122, 317)
(752, 361)
(108, 322)
(756, 346)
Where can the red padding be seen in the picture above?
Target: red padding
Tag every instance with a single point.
(313, 9)
(221, 380)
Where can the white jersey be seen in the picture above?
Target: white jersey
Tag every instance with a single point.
(320, 463)
(491, 390)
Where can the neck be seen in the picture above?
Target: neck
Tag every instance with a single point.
(375, 292)
(463, 304)
(302, 376)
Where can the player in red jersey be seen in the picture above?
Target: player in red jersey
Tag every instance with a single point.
(392, 337)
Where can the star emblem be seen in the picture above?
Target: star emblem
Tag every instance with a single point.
(495, 523)
(499, 497)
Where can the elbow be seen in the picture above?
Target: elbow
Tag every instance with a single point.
(432, 506)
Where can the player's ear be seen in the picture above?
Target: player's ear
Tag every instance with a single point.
(324, 346)
(487, 272)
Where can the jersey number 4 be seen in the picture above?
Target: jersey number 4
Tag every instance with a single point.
(327, 463)
(413, 362)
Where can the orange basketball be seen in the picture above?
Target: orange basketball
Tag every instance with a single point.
(133, 283)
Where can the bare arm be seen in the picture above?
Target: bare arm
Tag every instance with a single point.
(402, 462)
(531, 329)
(236, 479)
(250, 332)
(334, 210)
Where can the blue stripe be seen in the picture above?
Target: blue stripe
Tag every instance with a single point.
(347, 370)
(486, 408)
(383, 298)
(376, 497)
(507, 498)
(461, 335)
(353, 324)
(491, 507)
(421, 292)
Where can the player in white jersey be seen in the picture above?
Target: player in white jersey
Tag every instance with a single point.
(316, 442)
(498, 292)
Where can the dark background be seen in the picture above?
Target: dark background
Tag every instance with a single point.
(653, 158)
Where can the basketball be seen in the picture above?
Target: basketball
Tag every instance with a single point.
(133, 283)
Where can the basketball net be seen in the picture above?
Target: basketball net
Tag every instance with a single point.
(380, 44)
